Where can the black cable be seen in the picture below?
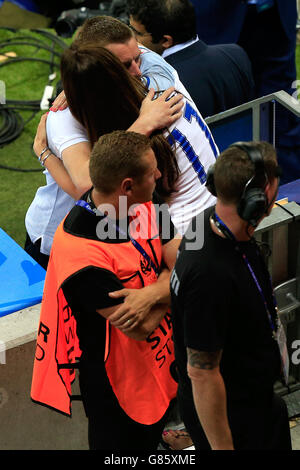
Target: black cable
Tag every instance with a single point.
(13, 60)
(41, 32)
(23, 37)
(33, 44)
(22, 170)
(53, 53)
(22, 104)
(52, 36)
(13, 30)
(12, 127)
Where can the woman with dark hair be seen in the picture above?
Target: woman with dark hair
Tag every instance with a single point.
(67, 176)
(103, 96)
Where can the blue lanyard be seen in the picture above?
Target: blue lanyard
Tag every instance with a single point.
(228, 234)
(136, 245)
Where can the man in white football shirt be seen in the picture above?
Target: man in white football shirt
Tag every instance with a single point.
(192, 141)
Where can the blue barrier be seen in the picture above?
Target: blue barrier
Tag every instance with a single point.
(21, 278)
(291, 191)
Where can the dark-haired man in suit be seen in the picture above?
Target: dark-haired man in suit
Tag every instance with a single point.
(217, 77)
(266, 30)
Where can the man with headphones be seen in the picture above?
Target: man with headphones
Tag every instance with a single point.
(228, 344)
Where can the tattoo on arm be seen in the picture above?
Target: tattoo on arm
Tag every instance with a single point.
(203, 360)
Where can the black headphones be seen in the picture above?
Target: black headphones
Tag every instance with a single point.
(253, 203)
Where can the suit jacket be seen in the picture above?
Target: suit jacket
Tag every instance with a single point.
(217, 77)
(221, 21)
(269, 39)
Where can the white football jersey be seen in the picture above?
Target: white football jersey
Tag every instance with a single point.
(190, 137)
(195, 151)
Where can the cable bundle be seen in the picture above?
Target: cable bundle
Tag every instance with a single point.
(13, 124)
(11, 121)
(12, 127)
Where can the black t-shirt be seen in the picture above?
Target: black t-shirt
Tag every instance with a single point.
(217, 306)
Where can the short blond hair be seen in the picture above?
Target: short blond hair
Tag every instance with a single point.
(104, 30)
(117, 156)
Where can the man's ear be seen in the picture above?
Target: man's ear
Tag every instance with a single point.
(167, 41)
(271, 192)
(126, 186)
(267, 188)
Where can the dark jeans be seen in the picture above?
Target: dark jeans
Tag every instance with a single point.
(33, 249)
(112, 429)
(254, 426)
(109, 427)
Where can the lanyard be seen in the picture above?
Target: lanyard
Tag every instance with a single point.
(136, 245)
(228, 234)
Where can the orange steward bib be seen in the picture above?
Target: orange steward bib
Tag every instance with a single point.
(139, 371)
